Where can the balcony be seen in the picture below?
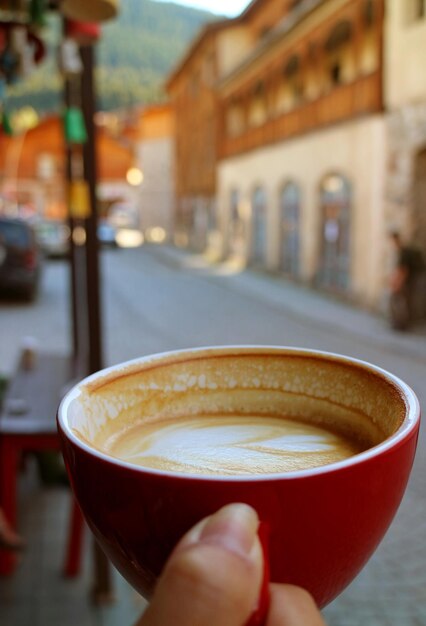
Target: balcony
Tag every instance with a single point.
(343, 103)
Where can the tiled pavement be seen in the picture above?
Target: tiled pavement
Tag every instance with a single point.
(38, 594)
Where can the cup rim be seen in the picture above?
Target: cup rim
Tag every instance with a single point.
(410, 423)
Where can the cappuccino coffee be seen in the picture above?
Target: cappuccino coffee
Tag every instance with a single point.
(230, 445)
(250, 413)
(223, 425)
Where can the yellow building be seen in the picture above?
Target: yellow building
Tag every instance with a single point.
(308, 123)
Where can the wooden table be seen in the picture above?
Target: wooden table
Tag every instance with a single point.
(28, 423)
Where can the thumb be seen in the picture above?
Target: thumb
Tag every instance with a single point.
(214, 574)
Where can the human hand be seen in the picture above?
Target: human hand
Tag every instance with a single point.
(213, 578)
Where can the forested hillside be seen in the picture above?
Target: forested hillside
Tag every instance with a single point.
(135, 54)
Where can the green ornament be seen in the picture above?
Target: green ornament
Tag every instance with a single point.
(74, 126)
(38, 12)
(6, 124)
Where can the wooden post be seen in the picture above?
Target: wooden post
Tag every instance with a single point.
(92, 245)
(75, 335)
(102, 590)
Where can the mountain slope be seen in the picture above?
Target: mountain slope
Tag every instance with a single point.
(135, 54)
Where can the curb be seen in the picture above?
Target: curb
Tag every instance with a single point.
(280, 293)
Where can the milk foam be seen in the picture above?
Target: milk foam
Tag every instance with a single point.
(230, 445)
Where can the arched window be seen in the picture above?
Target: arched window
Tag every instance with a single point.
(335, 206)
(236, 224)
(258, 205)
(290, 224)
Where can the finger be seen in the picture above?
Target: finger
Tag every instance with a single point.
(292, 606)
(213, 576)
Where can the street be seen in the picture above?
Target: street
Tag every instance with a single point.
(157, 300)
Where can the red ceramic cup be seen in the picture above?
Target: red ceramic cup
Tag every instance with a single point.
(323, 523)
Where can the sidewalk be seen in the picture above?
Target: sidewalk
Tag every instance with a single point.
(302, 302)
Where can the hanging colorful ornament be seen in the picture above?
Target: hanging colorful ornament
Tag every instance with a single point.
(70, 63)
(18, 37)
(79, 199)
(6, 124)
(84, 33)
(9, 63)
(37, 11)
(74, 126)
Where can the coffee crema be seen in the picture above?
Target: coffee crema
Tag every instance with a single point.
(231, 445)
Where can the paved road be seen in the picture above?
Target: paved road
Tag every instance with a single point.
(158, 300)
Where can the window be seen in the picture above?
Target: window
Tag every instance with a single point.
(46, 167)
(416, 10)
(340, 54)
(292, 90)
(258, 109)
(336, 73)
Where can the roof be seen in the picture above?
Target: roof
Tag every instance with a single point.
(283, 28)
(206, 31)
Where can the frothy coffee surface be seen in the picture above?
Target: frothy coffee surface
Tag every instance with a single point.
(231, 445)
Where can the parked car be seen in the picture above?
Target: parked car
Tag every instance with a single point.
(20, 258)
(54, 238)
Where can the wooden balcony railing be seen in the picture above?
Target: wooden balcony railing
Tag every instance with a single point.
(342, 103)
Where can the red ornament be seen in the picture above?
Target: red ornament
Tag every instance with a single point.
(85, 33)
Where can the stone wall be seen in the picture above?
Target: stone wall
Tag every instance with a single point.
(406, 139)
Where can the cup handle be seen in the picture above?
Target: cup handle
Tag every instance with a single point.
(258, 617)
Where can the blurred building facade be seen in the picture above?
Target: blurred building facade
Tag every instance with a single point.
(155, 157)
(149, 133)
(292, 121)
(32, 169)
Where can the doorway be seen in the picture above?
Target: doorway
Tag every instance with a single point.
(335, 207)
(290, 226)
(258, 248)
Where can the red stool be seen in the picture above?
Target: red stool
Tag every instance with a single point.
(11, 448)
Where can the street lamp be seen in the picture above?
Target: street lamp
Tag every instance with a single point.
(134, 177)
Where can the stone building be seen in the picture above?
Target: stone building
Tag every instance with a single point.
(309, 131)
(405, 81)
